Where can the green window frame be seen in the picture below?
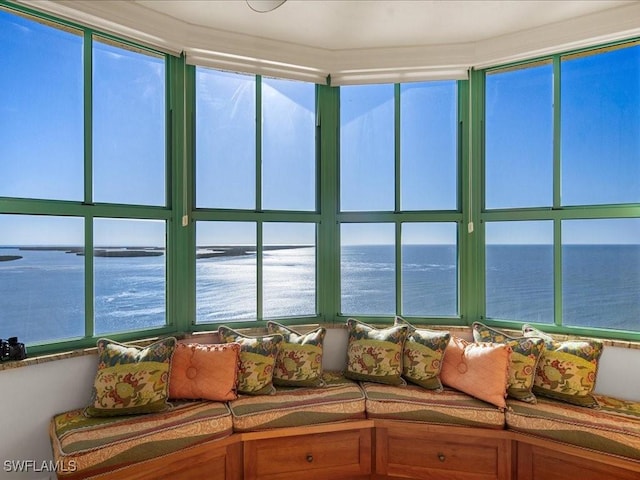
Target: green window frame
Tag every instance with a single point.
(396, 221)
(181, 214)
(256, 222)
(564, 222)
(92, 213)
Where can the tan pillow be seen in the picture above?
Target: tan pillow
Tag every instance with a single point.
(207, 372)
(477, 369)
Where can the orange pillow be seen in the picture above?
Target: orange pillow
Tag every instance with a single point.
(209, 372)
(477, 369)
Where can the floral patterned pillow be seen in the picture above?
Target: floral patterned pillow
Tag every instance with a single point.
(299, 362)
(525, 355)
(567, 370)
(257, 359)
(422, 355)
(131, 380)
(374, 354)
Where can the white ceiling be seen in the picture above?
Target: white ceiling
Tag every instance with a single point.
(358, 41)
(364, 24)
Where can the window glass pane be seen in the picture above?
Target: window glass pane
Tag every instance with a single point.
(288, 145)
(367, 264)
(289, 269)
(519, 271)
(429, 269)
(428, 146)
(601, 273)
(225, 140)
(519, 138)
(367, 152)
(41, 277)
(130, 274)
(41, 111)
(226, 272)
(601, 128)
(128, 126)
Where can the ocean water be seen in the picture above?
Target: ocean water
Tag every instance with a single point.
(42, 294)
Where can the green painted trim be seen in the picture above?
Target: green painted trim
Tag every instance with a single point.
(329, 285)
(557, 273)
(399, 269)
(259, 271)
(258, 132)
(89, 279)
(251, 216)
(397, 144)
(557, 134)
(397, 147)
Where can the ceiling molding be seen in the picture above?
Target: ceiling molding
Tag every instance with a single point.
(246, 53)
(607, 26)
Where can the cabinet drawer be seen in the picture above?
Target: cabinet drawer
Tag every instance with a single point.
(540, 463)
(345, 454)
(437, 455)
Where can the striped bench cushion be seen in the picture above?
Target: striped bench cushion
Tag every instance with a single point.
(614, 428)
(341, 399)
(414, 403)
(94, 445)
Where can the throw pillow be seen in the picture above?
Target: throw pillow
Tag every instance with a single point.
(477, 369)
(257, 358)
(374, 354)
(299, 362)
(207, 372)
(131, 380)
(525, 354)
(422, 355)
(567, 370)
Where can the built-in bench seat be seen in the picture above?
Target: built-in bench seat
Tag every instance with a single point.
(410, 425)
(614, 428)
(416, 404)
(87, 446)
(340, 399)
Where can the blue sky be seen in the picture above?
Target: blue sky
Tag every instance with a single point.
(41, 141)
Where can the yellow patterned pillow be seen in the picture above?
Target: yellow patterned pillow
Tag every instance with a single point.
(257, 359)
(567, 370)
(131, 380)
(525, 355)
(422, 355)
(299, 362)
(374, 354)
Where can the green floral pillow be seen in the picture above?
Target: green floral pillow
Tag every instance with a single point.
(525, 355)
(422, 355)
(373, 354)
(131, 380)
(567, 370)
(299, 362)
(257, 359)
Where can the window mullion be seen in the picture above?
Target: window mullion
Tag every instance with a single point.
(258, 143)
(89, 290)
(259, 246)
(557, 193)
(398, 310)
(259, 271)
(557, 271)
(398, 239)
(557, 167)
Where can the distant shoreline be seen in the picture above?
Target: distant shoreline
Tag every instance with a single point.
(210, 251)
